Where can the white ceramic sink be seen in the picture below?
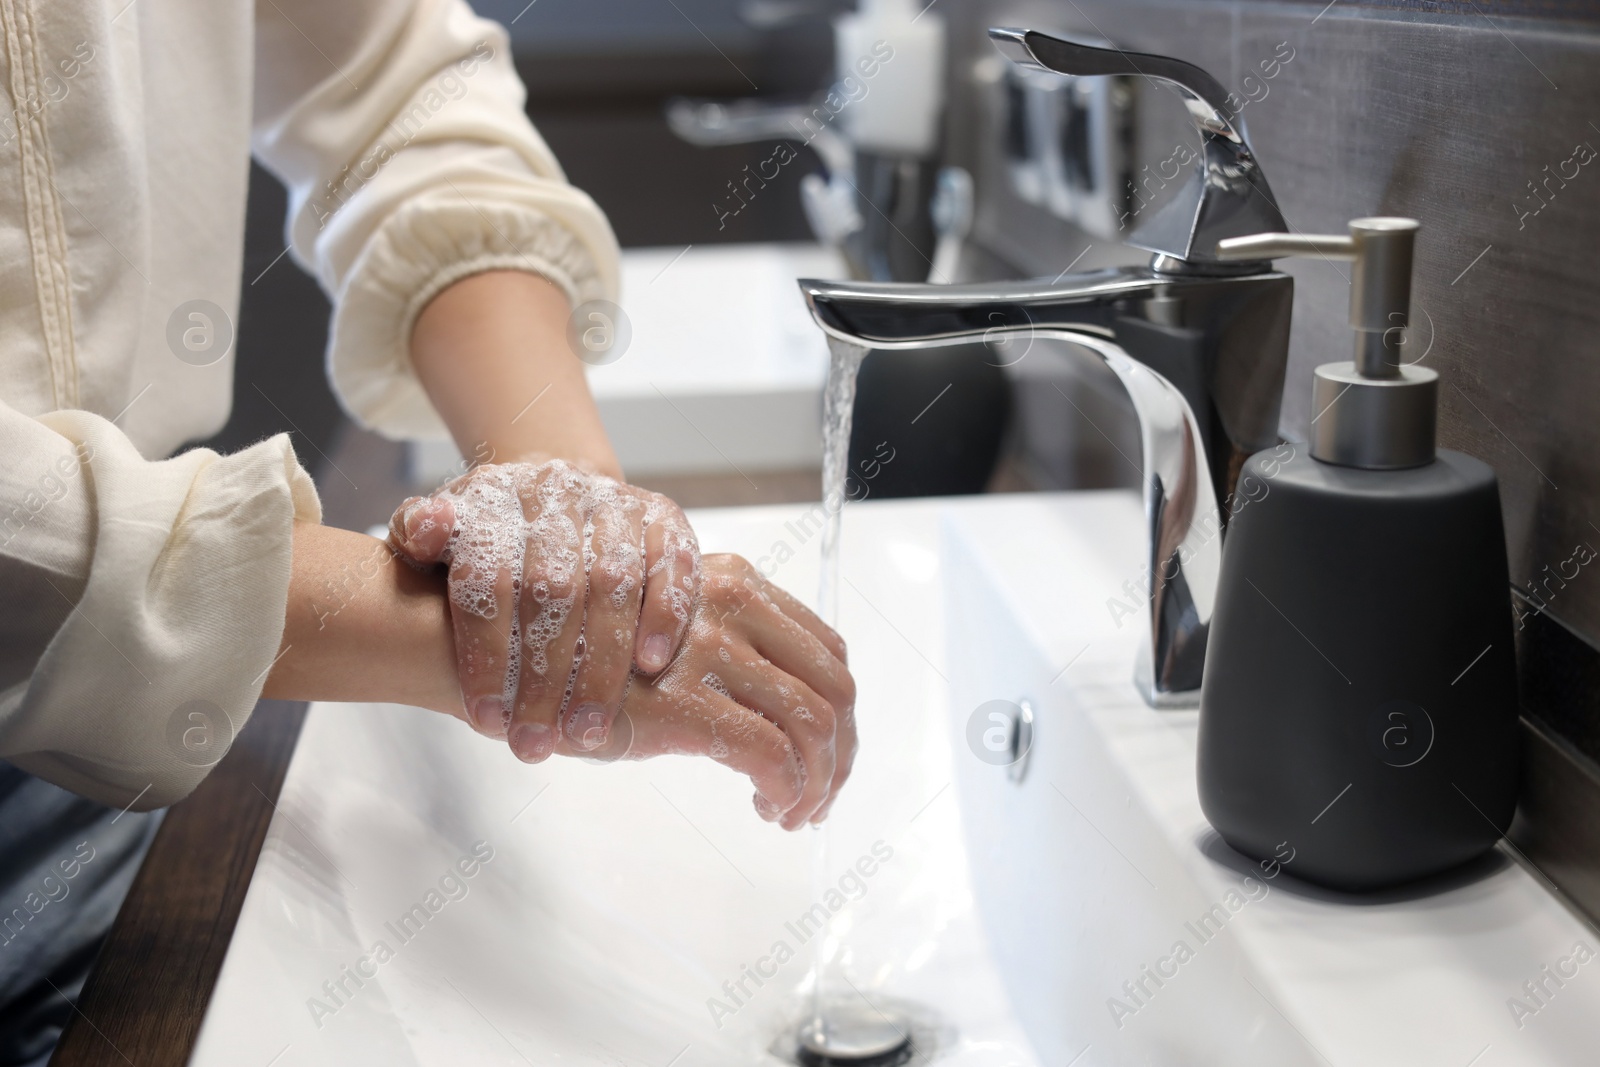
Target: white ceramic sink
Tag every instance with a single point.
(619, 899)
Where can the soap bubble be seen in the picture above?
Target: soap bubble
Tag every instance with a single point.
(199, 733)
(199, 332)
(1400, 733)
(999, 732)
(599, 332)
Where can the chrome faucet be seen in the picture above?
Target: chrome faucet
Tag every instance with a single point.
(1198, 340)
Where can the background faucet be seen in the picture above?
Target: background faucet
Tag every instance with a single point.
(875, 130)
(895, 193)
(1199, 343)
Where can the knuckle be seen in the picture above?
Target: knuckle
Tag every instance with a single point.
(550, 580)
(723, 587)
(678, 604)
(536, 575)
(611, 581)
(477, 665)
(843, 766)
(847, 690)
(786, 769)
(820, 717)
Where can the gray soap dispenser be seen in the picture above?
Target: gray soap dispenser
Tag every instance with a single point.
(1359, 703)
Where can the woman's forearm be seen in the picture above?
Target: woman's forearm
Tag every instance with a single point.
(360, 625)
(492, 353)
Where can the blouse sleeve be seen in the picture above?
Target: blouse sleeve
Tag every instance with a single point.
(154, 598)
(398, 127)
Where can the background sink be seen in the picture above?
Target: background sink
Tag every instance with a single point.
(684, 395)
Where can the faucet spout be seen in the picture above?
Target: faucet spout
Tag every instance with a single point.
(1202, 358)
(1221, 340)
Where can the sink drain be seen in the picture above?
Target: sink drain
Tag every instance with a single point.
(849, 1037)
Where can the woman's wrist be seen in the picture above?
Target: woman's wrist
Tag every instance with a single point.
(361, 625)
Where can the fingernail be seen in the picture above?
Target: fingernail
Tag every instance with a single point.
(532, 742)
(586, 726)
(489, 716)
(655, 652)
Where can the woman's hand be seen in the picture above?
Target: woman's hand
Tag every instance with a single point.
(760, 686)
(760, 683)
(562, 585)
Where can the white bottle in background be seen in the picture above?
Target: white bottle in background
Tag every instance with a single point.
(894, 49)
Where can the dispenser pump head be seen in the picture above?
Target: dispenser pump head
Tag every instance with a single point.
(1373, 411)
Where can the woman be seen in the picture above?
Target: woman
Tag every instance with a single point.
(137, 586)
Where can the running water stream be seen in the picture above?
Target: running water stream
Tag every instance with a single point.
(841, 1030)
(838, 406)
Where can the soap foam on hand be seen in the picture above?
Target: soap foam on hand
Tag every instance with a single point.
(561, 523)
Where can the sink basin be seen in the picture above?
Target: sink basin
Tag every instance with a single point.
(641, 914)
(619, 899)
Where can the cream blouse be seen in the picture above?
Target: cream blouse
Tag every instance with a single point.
(142, 597)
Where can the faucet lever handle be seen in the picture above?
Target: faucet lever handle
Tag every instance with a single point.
(1227, 196)
(1202, 94)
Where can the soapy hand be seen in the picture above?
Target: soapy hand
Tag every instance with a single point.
(562, 585)
(761, 686)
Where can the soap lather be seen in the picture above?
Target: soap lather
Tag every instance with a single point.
(1359, 707)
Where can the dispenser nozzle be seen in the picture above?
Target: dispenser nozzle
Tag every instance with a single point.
(1387, 408)
(1380, 292)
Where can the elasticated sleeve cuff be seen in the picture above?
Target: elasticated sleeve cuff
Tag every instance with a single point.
(411, 164)
(435, 240)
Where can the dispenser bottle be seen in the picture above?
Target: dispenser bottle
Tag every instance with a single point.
(889, 99)
(1359, 707)
(894, 50)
